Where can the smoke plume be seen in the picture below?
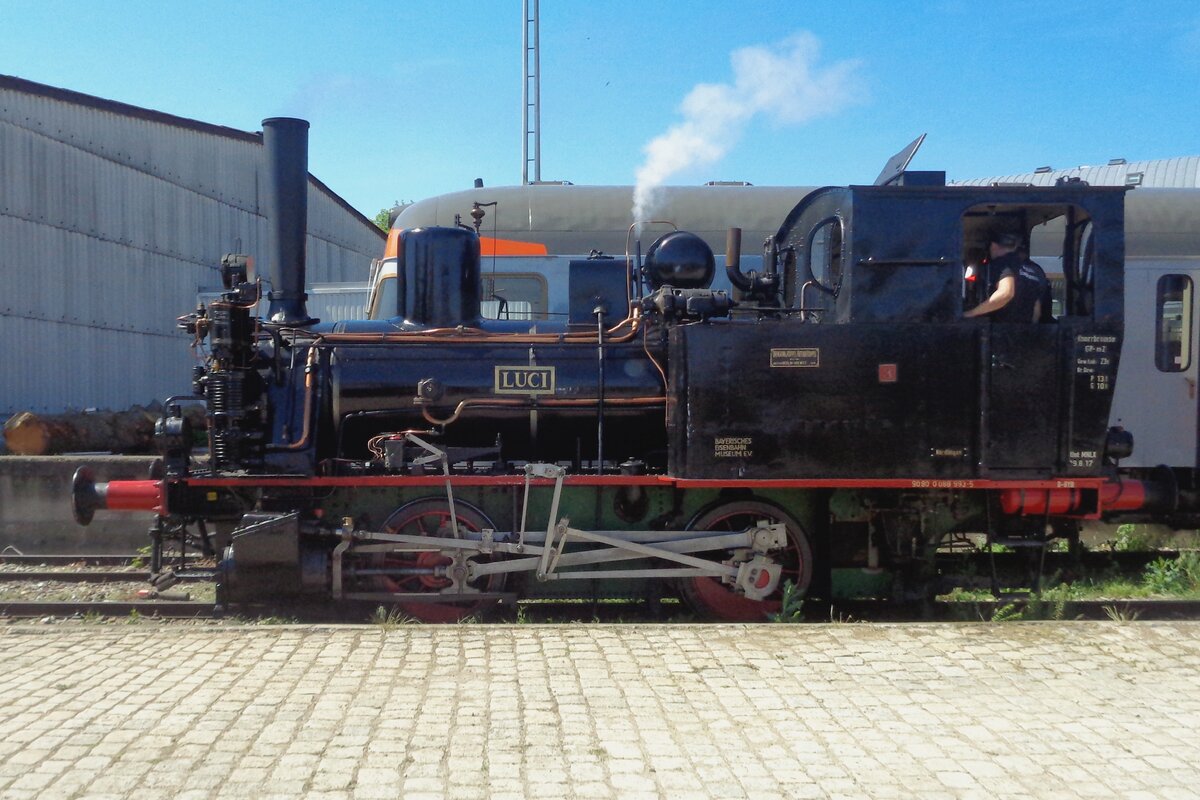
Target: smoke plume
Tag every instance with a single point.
(783, 82)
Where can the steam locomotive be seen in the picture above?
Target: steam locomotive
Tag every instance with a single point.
(822, 428)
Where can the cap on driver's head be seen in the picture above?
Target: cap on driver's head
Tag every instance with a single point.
(1005, 238)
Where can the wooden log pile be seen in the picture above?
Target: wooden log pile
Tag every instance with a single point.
(129, 431)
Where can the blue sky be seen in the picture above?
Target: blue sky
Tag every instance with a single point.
(412, 99)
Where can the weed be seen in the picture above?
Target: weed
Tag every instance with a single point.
(143, 557)
(1162, 577)
(1050, 604)
(134, 617)
(1177, 576)
(965, 608)
(1121, 614)
(1191, 566)
(1009, 612)
(276, 620)
(1112, 587)
(522, 614)
(388, 618)
(1132, 538)
(961, 594)
(791, 607)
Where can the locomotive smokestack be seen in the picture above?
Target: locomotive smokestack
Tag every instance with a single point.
(286, 143)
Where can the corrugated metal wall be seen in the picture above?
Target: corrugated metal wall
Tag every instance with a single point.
(111, 219)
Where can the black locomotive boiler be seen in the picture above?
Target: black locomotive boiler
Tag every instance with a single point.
(827, 424)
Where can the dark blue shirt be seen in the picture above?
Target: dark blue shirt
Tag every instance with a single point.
(1030, 282)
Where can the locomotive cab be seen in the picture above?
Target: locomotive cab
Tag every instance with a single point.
(869, 367)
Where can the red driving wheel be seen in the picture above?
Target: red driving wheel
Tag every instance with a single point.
(431, 517)
(711, 598)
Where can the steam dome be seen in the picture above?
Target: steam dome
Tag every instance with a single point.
(680, 259)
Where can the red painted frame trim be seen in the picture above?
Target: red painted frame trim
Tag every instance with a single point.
(384, 481)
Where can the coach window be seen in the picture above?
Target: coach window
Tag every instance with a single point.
(1173, 343)
(519, 296)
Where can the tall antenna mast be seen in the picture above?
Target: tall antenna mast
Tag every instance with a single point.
(531, 94)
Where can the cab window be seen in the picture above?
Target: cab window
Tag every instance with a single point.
(385, 303)
(1058, 238)
(825, 254)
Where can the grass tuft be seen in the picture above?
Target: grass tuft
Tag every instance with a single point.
(389, 618)
(1117, 614)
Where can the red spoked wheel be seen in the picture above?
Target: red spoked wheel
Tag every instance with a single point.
(711, 598)
(431, 518)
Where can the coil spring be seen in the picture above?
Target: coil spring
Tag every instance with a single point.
(225, 406)
(226, 454)
(225, 393)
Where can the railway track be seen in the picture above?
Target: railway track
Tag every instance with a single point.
(105, 569)
(63, 560)
(77, 576)
(1055, 561)
(1015, 609)
(163, 609)
(73, 585)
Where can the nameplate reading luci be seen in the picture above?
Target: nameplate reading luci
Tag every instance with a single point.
(524, 380)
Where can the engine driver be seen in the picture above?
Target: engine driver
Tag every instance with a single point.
(1019, 285)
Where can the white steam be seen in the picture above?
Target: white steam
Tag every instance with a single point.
(784, 82)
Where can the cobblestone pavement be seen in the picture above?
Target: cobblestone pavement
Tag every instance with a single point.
(598, 711)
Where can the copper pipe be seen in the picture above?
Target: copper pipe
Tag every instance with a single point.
(441, 335)
(548, 403)
(490, 338)
(309, 382)
(662, 373)
(437, 333)
(654, 361)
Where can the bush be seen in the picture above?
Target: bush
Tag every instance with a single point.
(1130, 539)
(1174, 576)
